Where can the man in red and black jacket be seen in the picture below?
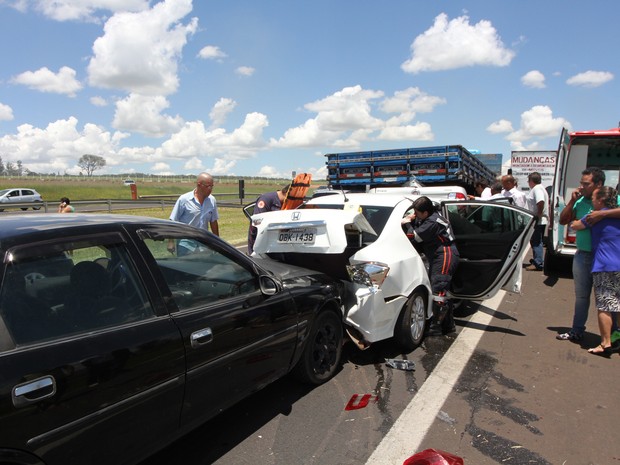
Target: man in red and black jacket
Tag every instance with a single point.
(433, 233)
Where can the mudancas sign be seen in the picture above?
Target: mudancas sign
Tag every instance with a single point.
(525, 162)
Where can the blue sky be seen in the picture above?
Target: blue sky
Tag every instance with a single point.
(267, 87)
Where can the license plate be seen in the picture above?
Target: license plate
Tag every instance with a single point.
(297, 236)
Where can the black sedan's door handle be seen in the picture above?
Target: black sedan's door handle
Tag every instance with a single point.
(201, 337)
(33, 391)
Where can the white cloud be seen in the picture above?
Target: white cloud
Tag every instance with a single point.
(162, 169)
(503, 125)
(457, 44)
(139, 52)
(344, 119)
(347, 109)
(44, 80)
(98, 101)
(418, 131)
(222, 166)
(590, 79)
(19, 5)
(411, 100)
(57, 147)
(271, 172)
(211, 52)
(194, 164)
(534, 79)
(343, 111)
(245, 71)
(85, 10)
(142, 114)
(193, 140)
(6, 112)
(536, 123)
(221, 110)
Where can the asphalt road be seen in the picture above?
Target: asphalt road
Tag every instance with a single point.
(502, 390)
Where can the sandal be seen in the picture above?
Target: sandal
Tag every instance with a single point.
(600, 350)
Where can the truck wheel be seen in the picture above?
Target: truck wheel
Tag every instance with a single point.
(411, 322)
(321, 356)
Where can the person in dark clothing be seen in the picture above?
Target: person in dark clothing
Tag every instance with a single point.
(269, 202)
(433, 233)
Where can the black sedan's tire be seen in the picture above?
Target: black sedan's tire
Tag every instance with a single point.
(411, 323)
(321, 357)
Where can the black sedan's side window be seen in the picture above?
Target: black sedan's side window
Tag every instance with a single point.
(51, 291)
(198, 274)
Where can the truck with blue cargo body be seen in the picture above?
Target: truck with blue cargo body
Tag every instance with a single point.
(428, 166)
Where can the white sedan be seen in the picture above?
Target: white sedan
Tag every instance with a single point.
(359, 239)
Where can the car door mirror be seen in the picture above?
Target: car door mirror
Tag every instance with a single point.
(268, 285)
(248, 210)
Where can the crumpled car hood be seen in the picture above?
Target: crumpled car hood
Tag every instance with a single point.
(295, 276)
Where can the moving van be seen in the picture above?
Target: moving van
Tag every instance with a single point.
(576, 152)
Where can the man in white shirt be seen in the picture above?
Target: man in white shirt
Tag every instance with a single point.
(496, 191)
(510, 190)
(482, 190)
(538, 203)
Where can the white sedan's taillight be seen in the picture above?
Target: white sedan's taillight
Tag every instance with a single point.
(371, 274)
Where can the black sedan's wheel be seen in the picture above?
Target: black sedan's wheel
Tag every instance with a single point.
(323, 350)
(411, 323)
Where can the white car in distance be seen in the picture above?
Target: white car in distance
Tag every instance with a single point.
(19, 195)
(359, 239)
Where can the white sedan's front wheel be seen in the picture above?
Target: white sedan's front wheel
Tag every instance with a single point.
(411, 323)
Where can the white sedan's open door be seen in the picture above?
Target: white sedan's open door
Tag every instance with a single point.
(492, 238)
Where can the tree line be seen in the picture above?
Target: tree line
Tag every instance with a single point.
(88, 163)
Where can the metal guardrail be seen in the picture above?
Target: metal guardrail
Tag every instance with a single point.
(218, 196)
(52, 207)
(150, 201)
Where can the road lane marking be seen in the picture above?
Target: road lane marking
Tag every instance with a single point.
(406, 435)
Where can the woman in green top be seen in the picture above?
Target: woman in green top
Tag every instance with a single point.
(65, 206)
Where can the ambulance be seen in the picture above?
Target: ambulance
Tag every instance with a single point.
(577, 151)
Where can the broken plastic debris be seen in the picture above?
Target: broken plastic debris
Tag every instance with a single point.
(407, 365)
(433, 457)
(354, 404)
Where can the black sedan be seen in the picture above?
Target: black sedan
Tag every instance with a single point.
(118, 334)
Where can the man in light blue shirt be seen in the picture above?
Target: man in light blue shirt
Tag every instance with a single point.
(197, 208)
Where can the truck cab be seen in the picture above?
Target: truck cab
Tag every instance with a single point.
(577, 151)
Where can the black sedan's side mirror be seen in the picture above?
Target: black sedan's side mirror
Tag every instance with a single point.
(268, 285)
